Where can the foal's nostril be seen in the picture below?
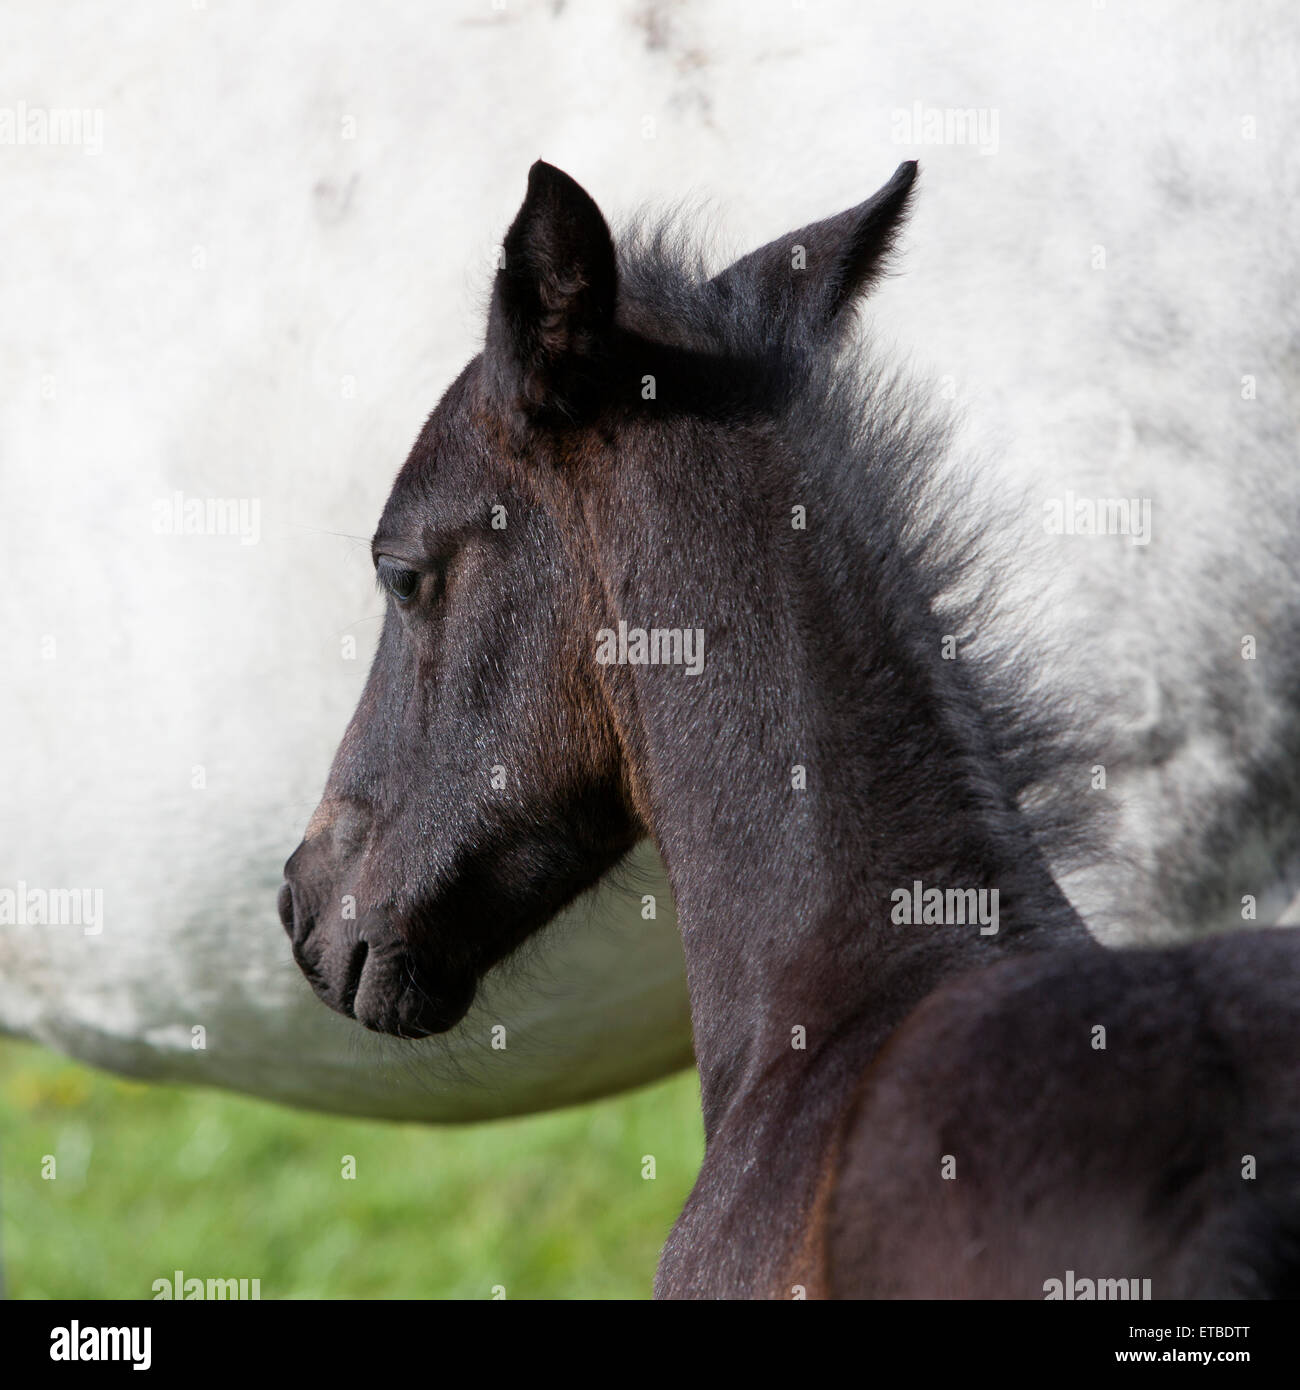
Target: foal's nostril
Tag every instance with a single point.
(356, 967)
(285, 903)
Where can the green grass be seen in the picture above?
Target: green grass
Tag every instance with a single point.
(151, 1179)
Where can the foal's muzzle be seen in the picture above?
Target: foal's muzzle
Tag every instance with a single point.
(361, 968)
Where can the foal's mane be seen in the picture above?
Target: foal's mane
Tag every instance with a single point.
(920, 519)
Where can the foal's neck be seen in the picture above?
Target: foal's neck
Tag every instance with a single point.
(831, 756)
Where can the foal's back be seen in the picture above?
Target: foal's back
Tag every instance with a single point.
(1083, 1115)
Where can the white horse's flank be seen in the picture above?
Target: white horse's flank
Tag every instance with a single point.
(228, 316)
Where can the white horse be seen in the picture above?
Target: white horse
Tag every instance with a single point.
(226, 302)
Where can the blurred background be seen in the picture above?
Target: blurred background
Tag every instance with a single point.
(153, 1179)
(246, 249)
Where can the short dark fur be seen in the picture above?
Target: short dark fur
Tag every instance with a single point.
(645, 430)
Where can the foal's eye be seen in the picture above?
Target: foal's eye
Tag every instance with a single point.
(398, 580)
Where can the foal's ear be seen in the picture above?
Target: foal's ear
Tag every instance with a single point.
(552, 309)
(807, 279)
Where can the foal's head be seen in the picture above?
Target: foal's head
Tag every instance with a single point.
(490, 772)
